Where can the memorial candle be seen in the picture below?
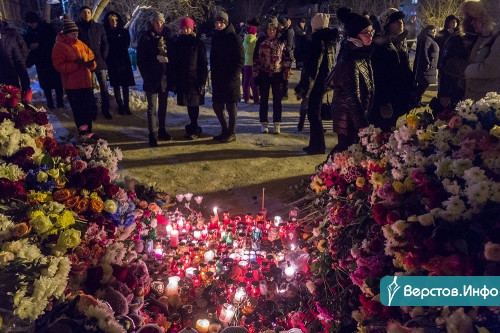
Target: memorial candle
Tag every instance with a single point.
(227, 313)
(202, 325)
(174, 238)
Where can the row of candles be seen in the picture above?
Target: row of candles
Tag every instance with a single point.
(195, 253)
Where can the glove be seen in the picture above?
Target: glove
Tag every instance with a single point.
(162, 59)
(80, 61)
(27, 95)
(89, 63)
(386, 111)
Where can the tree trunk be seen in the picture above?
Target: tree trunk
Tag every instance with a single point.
(98, 9)
(47, 12)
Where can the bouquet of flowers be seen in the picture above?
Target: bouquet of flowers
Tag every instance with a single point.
(423, 200)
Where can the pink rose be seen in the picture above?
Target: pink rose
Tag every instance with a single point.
(455, 122)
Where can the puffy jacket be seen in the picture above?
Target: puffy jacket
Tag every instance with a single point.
(426, 58)
(189, 70)
(353, 87)
(249, 46)
(94, 36)
(13, 58)
(65, 55)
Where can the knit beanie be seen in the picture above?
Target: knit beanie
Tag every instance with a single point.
(186, 22)
(389, 16)
(69, 26)
(252, 30)
(157, 16)
(320, 21)
(355, 23)
(222, 17)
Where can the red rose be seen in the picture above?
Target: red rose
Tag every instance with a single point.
(49, 143)
(92, 182)
(111, 190)
(23, 119)
(41, 118)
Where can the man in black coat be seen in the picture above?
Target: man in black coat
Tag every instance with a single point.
(13, 53)
(40, 39)
(152, 58)
(93, 34)
(226, 62)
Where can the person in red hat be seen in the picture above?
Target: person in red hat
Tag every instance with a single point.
(189, 74)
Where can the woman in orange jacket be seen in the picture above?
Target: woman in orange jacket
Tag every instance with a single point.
(75, 61)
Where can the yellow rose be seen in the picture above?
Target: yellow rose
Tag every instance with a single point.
(41, 224)
(409, 184)
(399, 187)
(54, 173)
(495, 131)
(110, 206)
(412, 120)
(42, 177)
(360, 181)
(65, 219)
(96, 205)
(69, 239)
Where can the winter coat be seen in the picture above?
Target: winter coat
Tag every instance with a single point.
(319, 63)
(226, 61)
(300, 50)
(118, 61)
(443, 35)
(65, 54)
(426, 59)
(272, 58)
(452, 63)
(249, 46)
(189, 70)
(353, 87)
(392, 73)
(154, 73)
(287, 35)
(13, 58)
(94, 36)
(482, 75)
(41, 57)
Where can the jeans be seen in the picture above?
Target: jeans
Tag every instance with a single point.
(103, 86)
(275, 83)
(156, 101)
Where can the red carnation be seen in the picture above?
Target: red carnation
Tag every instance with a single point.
(111, 190)
(41, 118)
(379, 214)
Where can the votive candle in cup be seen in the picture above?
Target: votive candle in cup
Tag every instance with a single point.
(227, 313)
(174, 238)
(202, 325)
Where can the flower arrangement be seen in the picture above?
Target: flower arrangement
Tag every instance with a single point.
(423, 200)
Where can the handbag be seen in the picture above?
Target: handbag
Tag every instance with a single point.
(326, 110)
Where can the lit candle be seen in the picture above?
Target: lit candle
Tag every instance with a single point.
(173, 285)
(227, 313)
(180, 223)
(190, 272)
(188, 196)
(209, 255)
(202, 325)
(277, 220)
(215, 213)
(158, 250)
(169, 229)
(197, 234)
(198, 199)
(174, 238)
(289, 271)
(240, 294)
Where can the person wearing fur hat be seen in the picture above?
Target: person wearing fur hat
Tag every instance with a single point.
(248, 82)
(353, 82)
(271, 68)
(392, 72)
(226, 62)
(93, 34)
(319, 62)
(153, 51)
(189, 74)
(75, 61)
(118, 60)
(482, 74)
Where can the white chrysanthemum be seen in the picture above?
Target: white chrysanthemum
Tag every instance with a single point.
(399, 227)
(7, 128)
(478, 192)
(459, 166)
(465, 110)
(426, 219)
(495, 192)
(474, 174)
(451, 187)
(455, 207)
(444, 167)
(5, 223)
(11, 172)
(35, 130)
(483, 105)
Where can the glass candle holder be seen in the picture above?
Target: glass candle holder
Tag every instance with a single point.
(202, 325)
(227, 313)
(240, 295)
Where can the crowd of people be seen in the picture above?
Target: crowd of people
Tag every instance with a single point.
(371, 76)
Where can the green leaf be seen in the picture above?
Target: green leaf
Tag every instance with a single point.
(47, 160)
